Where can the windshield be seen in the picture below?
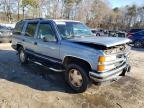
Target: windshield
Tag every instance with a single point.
(73, 29)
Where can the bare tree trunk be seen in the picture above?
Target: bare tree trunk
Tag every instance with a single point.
(18, 10)
(23, 9)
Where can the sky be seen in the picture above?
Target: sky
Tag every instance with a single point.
(121, 3)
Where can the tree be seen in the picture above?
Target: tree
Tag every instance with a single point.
(6, 4)
(68, 4)
(30, 3)
(132, 14)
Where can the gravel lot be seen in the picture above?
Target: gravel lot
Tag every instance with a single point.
(33, 86)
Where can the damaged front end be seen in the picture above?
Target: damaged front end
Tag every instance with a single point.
(112, 64)
(114, 61)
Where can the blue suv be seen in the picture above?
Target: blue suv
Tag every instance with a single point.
(137, 38)
(70, 47)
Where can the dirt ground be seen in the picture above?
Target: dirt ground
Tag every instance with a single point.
(33, 86)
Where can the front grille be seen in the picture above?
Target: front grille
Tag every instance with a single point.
(121, 52)
(123, 59)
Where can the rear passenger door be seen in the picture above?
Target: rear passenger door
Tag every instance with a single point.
(29, 36)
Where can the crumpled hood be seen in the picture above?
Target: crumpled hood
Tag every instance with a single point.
(104, 41)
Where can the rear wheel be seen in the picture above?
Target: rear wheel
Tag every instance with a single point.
(22, 56)
(77, 77)
(97, 34)
(137, 44)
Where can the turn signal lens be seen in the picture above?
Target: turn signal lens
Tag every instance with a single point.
(102, 59)
(101, 68)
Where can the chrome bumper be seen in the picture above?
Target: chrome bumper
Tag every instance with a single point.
(109, 75)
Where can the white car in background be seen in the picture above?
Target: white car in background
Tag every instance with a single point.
(5, 34)
(98, 32)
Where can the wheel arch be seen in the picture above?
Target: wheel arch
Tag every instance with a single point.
(71, 59)
(18, 46)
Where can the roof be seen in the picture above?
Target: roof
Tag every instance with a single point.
(64, 20)
(55, 20)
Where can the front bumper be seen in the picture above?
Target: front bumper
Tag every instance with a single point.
(110, 75)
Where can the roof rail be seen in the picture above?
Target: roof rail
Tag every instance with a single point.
(34, 19)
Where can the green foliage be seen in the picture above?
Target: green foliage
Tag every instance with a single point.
(132, 10)
(71, 2)
(116, 9)
(32, 3)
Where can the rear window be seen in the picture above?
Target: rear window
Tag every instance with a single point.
(30, 29)
(18, 28)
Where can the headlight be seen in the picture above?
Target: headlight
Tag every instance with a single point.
(106, 58)
(102, 59)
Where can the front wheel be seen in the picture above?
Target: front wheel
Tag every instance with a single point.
(76, 77)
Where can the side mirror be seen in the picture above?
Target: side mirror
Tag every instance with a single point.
(49, 39)
(45, 39)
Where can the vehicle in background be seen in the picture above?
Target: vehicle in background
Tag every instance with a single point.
(121, 34)
(137, 39)
(11, 26)
(5, 34)
(70, 47)
(98, 32)
(113, 33)
(132, 31)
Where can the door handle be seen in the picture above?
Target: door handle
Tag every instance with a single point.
(35, 43)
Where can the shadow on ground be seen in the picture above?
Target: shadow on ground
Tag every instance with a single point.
(31, 75)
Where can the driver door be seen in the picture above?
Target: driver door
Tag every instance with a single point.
(47, 43)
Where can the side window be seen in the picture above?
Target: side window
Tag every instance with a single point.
(46, 33)
(18, 28)
(30, 29)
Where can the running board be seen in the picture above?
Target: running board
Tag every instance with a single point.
(50, 68)
(56, 70)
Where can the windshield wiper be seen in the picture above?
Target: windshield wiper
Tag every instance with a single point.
(78, 36)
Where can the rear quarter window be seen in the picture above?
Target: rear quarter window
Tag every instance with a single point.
(18, 28)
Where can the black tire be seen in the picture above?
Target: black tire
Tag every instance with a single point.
(21, 52)
(97, 34)
(137, 44)
(84, 74)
